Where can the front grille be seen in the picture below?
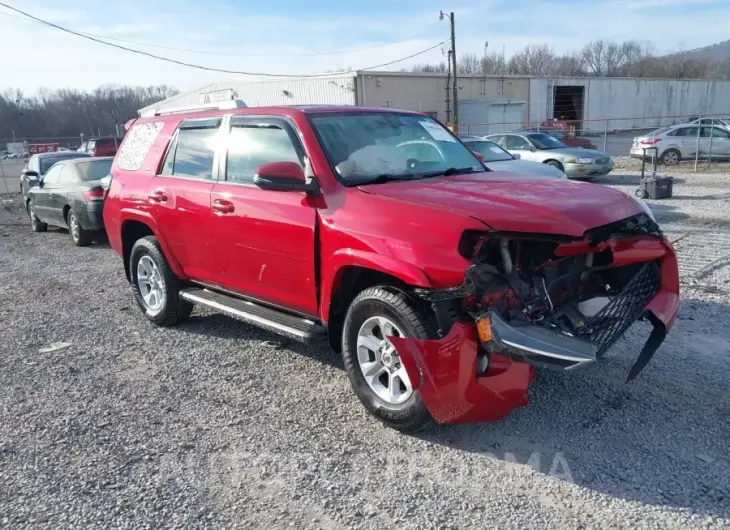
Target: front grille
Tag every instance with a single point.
(606, 326)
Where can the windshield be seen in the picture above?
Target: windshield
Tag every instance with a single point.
(489, 150)
(381, 146)
(545, 141)
(94, 169)
(48, 161)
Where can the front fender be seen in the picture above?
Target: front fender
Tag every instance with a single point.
(343, 258)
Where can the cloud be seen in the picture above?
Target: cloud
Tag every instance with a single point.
(291, 39)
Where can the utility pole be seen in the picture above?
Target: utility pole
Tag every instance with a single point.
(454, 87)
(448, 88)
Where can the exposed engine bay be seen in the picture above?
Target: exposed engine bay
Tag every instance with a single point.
(553, 300)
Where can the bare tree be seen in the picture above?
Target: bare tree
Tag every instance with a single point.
(533, 60)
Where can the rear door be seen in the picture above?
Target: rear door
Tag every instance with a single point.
(180, 196)
(59, 198)
(265, 240)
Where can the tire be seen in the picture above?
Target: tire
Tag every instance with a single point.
(377, 303)
(556, 165)
(80, 237)
(670, 157)
(171, 309)
(35, 224)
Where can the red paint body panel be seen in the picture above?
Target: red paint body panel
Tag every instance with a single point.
(445, 371)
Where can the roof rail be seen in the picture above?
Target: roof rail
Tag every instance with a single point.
(218, 105)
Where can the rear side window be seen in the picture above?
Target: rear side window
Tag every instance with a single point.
(137, 144)
(94, 170)
(192, 150)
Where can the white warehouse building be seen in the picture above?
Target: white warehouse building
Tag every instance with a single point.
(487, 104)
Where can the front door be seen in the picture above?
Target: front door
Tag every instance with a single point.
(179, 196)
(43, 196)
(264, 240)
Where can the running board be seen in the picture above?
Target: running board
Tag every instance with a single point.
(287, 324)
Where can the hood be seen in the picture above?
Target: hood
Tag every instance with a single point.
(529, 169)
(578, 152)
(513, 202)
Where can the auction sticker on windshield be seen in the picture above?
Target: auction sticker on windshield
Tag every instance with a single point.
(436, 131)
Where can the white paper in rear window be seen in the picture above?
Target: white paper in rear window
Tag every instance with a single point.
(136, 145)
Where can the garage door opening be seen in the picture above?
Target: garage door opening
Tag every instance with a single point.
(568, 102)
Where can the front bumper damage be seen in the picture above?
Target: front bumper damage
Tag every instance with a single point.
(445, 370)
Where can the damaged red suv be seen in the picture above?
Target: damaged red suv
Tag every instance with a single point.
(443, 284)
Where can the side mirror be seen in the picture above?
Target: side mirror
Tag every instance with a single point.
(516, 156)
(284, 176)
(479, 156)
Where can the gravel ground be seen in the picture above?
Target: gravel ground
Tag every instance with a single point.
(215, 424)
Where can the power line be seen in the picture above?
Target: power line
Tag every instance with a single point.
(208, 68)
(228, 54)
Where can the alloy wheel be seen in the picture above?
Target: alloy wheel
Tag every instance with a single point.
(379, 362)
(151, 284)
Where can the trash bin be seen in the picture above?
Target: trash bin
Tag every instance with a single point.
(653, 187)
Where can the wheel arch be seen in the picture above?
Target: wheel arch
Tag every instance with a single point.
(133, 229)
(350, 277)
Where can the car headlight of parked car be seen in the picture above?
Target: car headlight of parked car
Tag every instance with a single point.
(581, 161)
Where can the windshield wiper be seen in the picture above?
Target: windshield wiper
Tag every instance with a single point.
(448, 172)
(383, 177)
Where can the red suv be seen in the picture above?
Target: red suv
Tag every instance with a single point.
(102, 146)
(441, 283)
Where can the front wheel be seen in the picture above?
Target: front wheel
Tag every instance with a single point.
(376, 374)
(156, 288)
(555, 164)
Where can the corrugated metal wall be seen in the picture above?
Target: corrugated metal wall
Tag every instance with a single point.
(427, 93)
(632, 103)
(336, 90)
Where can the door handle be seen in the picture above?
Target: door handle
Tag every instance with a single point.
(158, 196)
(222, 206)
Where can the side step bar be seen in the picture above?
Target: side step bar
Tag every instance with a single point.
(287, 324)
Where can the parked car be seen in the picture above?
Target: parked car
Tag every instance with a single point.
(568, 139)
(70, 196)
(442, 283)
(497, 159)
(672, 144)
(38, 165)
(100, 146)
(575, 162)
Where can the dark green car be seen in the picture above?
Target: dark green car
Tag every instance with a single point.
(70, 195)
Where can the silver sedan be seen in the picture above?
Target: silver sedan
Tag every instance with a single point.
(575, 162)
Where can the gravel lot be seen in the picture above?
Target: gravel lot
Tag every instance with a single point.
(215, 424)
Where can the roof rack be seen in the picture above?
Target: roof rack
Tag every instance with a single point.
(218, 105)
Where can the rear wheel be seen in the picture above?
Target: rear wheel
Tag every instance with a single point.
(376, 374)
(35, 224)
(156, 288)
(670, 157)
(80, 237)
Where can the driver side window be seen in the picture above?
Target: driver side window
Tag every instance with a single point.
(515, 143)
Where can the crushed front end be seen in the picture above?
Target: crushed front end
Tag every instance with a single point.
(539, 300)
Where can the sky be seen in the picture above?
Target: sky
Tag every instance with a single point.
(297, 37)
